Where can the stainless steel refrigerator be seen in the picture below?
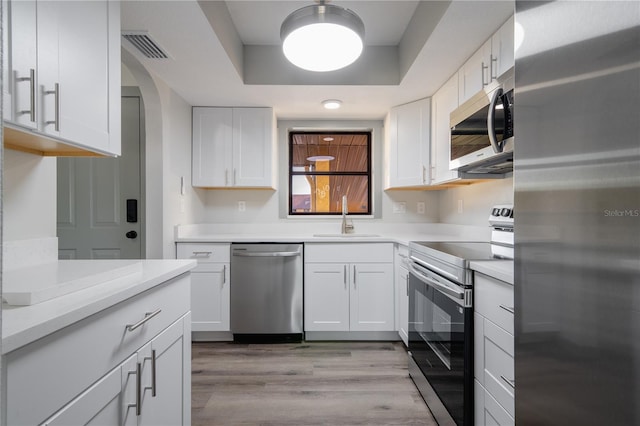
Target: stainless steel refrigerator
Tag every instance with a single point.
(577, 221)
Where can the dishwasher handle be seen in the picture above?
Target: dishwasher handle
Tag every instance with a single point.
(266, 253)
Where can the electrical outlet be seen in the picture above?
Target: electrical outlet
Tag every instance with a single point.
(400, 207)
(242, 206)
(421, 207)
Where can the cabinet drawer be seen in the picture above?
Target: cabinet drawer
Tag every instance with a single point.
(494, 300)
(86, 350)
(204, 253)
(349, 252)
(499, 365)
(494, 414)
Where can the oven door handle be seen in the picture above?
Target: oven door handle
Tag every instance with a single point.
(440, 271)
(456, 294)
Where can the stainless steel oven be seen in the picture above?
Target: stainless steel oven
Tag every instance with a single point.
(441, 317)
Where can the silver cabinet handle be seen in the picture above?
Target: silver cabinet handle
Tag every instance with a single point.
(508, 309)
(345, 276)
(138, 389)
(56, 118)
(267, 253)
(484, 67)
(226, 177)
(354, 276)
(32, 94)
(153, 372)
(147, 317)
(224, 274)
(234, 177)
(202, 253)
(424, 174)
(407, 283)
(510, 382)
(494, 60)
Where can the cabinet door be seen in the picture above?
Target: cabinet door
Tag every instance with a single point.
(475, 73)
(444, 101)
(104, 403)
(502, 49)
(371, 298)
(326, 299)
(20, 61)
(169, 387)
(212, 146)
(252, 147)
(402, 295)
(409, 144)
(210, 298)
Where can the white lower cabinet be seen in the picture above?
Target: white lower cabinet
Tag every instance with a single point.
(494, 352)
(101, 371)
(355, 294)
(210, 286)
(402, 293)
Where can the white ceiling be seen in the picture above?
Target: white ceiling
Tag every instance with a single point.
(203, 73)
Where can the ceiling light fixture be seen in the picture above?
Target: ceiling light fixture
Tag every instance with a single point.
(332, 103)
(321, 158)
(322, 37)
(327, 139)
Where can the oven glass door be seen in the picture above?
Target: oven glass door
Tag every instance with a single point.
(440, 342)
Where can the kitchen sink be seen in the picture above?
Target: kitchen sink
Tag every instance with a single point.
(346, 235)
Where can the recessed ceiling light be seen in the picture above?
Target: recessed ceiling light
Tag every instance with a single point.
(327, 139)
(322, 37)
(321, 158)
(332, 103)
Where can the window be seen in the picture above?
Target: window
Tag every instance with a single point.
(325, 166)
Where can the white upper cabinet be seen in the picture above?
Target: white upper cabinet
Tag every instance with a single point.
(503, 49)
(488, 63)
(62, 92)
(443, 102)
(408, 145)
(233, 147)
(475, 73)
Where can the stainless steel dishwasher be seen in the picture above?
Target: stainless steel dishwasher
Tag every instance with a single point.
(266, 292)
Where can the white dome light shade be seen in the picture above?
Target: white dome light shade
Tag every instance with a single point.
(332, 103)
(322, 37)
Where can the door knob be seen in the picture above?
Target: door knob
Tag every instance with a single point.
(131, 234)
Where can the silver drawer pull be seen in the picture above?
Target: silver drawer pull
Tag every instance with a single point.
(153, 372)
(147, 317)
(202, 253)
(507, 308)
(510, 382)
(138, 389)
(32, 94)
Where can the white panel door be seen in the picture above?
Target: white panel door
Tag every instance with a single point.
(252, 144)
(20, 60)
(502, 49)
(92, 198)
(475, 73)
(212, 147)
(326, 298)
(409, 144)
(372, 297)
(210, 298)
(164, 403)
(444, 101)
(83, 64)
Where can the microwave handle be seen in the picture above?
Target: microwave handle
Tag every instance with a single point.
(491, 121)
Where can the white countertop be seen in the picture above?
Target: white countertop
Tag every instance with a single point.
(22, 325)
(499, 269)
(308, 233)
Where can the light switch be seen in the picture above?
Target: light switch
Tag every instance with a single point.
(421, 207)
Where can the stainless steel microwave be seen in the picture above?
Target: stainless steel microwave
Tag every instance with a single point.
(482, 138)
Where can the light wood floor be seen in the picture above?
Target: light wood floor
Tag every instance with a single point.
(311, 383)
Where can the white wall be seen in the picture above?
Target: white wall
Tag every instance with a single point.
(477, 200)
(167, 159)
(268, 206)
(29, 196)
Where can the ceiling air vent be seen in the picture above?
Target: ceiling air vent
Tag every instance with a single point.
(142, 41)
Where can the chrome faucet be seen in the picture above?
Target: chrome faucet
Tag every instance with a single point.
(347, 227)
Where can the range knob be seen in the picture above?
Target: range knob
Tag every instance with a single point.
(505, 212)
(495, 212)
